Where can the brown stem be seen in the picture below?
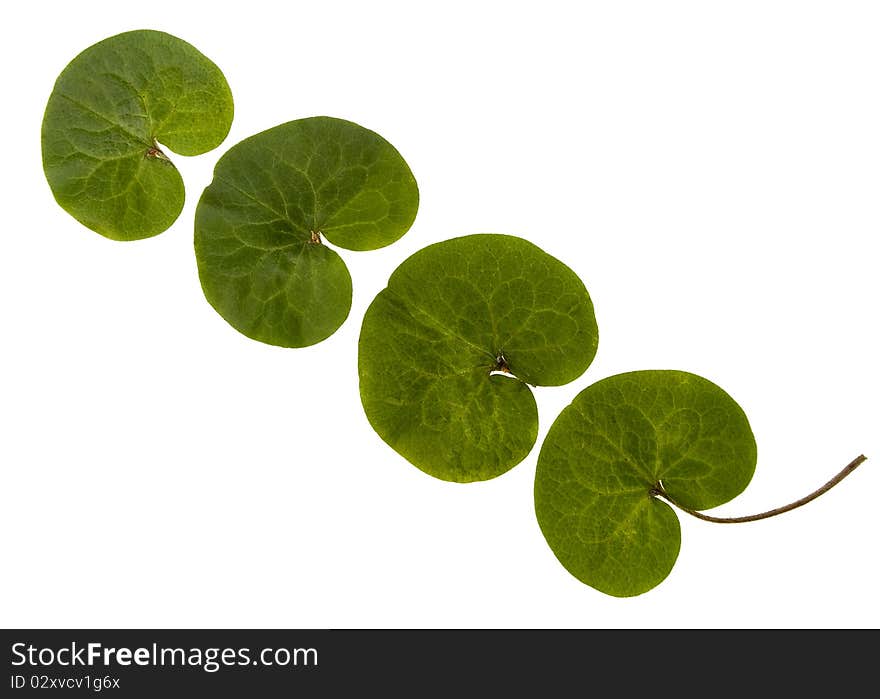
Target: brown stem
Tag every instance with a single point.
(501, 363)
(155, 152)
(848, 469)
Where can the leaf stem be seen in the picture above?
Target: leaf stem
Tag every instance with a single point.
(501, 363)
(155, 152)
(848, 469)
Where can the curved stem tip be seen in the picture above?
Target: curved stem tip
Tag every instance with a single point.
(848, 469)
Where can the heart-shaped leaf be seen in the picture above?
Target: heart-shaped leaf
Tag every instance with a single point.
(446, 351)
(610, 452)
(259, 225)
(111, 108)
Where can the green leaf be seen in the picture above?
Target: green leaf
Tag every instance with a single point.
(607, 451)
(110, 109)
(435, 343)
(259, 224)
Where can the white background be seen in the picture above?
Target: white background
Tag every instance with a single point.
(711, 170)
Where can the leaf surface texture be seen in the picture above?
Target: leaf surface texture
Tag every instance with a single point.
(274, 198)
(112, 110)
(607, 450)
(431, 341)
